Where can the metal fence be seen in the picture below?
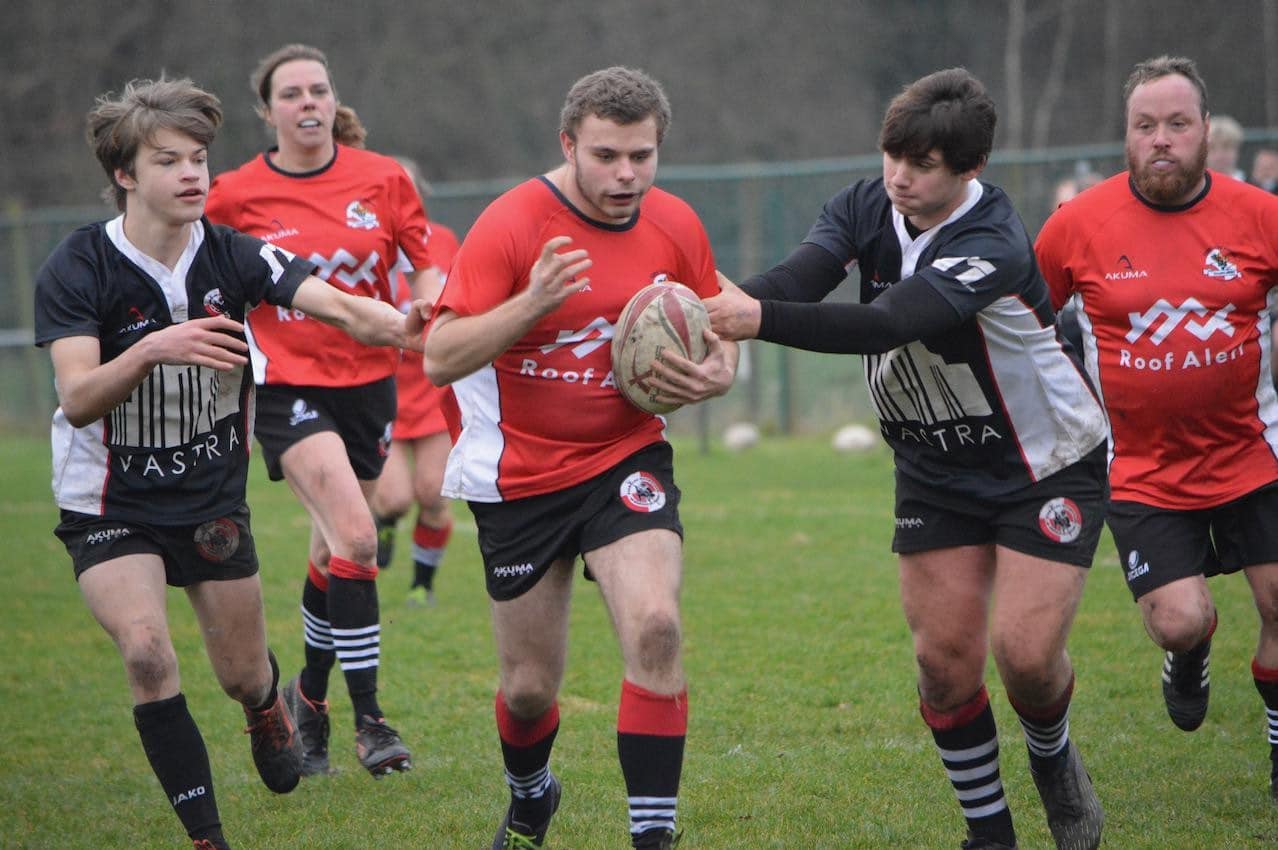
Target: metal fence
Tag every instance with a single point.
(754, 213)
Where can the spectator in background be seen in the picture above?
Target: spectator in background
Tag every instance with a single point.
(1264, 169)
(1224, 141)
(414, 470)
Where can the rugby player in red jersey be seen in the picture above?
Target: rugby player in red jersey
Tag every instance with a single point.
(1173, 270)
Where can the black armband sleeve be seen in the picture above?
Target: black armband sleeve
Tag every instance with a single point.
(907, 311)
(809, 274)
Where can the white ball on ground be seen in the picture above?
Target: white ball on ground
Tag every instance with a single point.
(854, 438)
(740, 436)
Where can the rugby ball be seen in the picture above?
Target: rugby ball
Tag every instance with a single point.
(658, 319)
(854, 438)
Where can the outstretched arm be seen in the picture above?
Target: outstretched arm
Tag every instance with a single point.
(368, 320)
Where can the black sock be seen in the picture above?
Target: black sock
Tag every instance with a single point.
(174, 747)
(352, 609)
(967, 740)
(317, 634)
(1267, 684)
(423, 574)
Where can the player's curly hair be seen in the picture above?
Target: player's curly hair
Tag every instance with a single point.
(1166, 66)
(947, 111)
(118, 125)
(623, 95)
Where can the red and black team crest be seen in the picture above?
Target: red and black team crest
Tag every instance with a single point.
(1061, 520)
(217, 539)
(641, 492)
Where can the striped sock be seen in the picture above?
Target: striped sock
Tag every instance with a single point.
(525, 749)
(1046, 730)
(317, 635)
(967, 741)
(357, 632)
(429, 545)
(1266, 679)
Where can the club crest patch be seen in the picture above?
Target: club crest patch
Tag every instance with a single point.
(217, 540)
(1061, 520)
(641, 492)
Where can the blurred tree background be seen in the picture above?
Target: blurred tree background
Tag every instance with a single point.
(472, 90)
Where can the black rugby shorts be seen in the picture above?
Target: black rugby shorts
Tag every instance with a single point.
(1157, 546)
(216, 550)
(1059, 518)
(362, 416)
(520, 539)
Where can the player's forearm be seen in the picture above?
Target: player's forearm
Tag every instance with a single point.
(456, 345)
(87, 395)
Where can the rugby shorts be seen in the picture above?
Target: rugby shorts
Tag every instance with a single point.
(217, 550)
(1059, 518)
(362, 416)
(1157, 546)
(520, 539)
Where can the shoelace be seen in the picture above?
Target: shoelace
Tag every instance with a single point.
(267, 728)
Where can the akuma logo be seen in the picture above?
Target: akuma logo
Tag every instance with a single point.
(137, 321)
(1128, 271)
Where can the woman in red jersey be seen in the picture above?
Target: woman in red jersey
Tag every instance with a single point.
(325, 405)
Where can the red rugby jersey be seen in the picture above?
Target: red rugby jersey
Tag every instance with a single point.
(1175, 307)
(351, 218)
(546, 414)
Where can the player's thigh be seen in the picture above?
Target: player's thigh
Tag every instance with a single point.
(639, 577)
(1035, 603)
(531, 632)
(431, 453)
(1263, 579)
(945, 594)
(232, 623)
(393, 495)
(128, 597)
(319, 472)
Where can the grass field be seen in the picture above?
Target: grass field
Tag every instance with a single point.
(804, 735)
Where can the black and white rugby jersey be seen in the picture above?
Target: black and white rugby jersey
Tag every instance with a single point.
(994, 403)
(175, 452)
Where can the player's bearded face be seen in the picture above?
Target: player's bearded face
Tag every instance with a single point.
(1162, 184)
(1166, 139)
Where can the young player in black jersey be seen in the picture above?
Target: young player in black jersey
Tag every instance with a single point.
(998, 438)
(143, 319)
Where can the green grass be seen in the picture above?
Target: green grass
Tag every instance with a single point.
(804, 732)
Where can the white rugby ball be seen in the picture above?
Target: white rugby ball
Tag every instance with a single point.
(854, 438)
(740, 436)
(658, 319)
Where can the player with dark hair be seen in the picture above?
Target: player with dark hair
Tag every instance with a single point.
(523, 329)
(143, 319)
(326, 403)
(420, 442)
(998, 438)
(1175, 274)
